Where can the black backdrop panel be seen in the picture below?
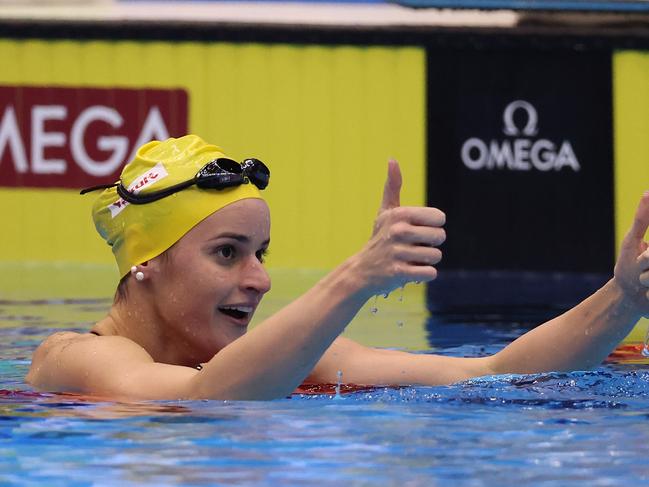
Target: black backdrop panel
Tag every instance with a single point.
(520, 158)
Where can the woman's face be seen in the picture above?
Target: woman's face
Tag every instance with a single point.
(213, 279)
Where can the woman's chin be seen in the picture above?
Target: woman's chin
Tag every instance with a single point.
(223, 337)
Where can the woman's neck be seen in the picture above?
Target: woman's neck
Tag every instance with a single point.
(136, 318)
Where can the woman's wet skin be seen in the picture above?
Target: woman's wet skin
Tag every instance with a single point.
(215, 277)
(202, 295)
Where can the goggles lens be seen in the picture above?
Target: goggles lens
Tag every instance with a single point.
(257, 172)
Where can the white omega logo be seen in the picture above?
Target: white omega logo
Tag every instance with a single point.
(524, 152)
(508, 119)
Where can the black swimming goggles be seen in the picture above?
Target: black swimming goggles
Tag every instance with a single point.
(220, 173)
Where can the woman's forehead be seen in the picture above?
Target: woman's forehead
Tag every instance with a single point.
(250, 217)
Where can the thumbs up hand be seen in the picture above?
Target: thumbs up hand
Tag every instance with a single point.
(404, 242)
(632, 267)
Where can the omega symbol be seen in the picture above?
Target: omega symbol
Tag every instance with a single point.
(510, 128)
(523, 151)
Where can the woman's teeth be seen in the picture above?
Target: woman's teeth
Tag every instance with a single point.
(236, 311)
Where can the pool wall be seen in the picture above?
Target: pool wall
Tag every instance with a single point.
(528, 130)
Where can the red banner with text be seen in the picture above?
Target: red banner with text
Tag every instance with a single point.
(76, 137)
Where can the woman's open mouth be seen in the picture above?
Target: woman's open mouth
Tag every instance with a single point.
(239, 313)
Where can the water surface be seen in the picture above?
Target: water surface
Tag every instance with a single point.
(582, 428)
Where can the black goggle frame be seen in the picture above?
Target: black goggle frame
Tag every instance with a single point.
(219, 173)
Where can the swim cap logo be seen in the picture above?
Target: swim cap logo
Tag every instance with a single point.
(145, 180)
(524, 153)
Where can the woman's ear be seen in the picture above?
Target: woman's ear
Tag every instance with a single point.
(152, 266)
(156, 265)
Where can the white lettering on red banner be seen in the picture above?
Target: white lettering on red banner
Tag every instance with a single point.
(78, 137)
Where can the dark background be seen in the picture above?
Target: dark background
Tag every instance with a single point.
(521, 229)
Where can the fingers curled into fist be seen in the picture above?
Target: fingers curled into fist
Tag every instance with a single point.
(405, 232)
(643, 263)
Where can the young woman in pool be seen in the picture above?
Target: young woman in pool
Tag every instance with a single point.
(189, 230)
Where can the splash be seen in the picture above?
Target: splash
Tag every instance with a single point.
(339, 381)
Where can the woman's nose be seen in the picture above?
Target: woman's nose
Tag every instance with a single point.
(256, 277)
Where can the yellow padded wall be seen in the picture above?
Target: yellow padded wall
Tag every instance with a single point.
(325, 119)
(631, 114)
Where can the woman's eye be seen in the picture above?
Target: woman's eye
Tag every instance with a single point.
(226, 252)
(261, 255)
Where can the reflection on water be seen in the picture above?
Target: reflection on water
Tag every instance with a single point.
(551, 429)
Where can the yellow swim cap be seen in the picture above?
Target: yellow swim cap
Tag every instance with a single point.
(139, 232)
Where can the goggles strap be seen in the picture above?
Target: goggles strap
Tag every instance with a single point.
(99, 186)
(141, 199)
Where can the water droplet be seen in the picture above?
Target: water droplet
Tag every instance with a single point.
(339, 380)
(385, 295)
(400, 324)
(401, 293)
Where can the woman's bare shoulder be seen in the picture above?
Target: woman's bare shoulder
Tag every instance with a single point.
(66, 357)
(61, 340)
(56, 341)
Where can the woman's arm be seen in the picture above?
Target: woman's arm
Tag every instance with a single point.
(579, 339)
(583, 336)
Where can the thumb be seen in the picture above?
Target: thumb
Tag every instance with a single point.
(635, 237)
(392, 188)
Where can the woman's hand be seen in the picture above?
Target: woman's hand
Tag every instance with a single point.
(632, 267)
(404, 242)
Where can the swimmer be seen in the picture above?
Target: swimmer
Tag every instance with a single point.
(189, 229)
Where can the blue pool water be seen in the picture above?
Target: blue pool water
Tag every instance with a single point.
(583, 428)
